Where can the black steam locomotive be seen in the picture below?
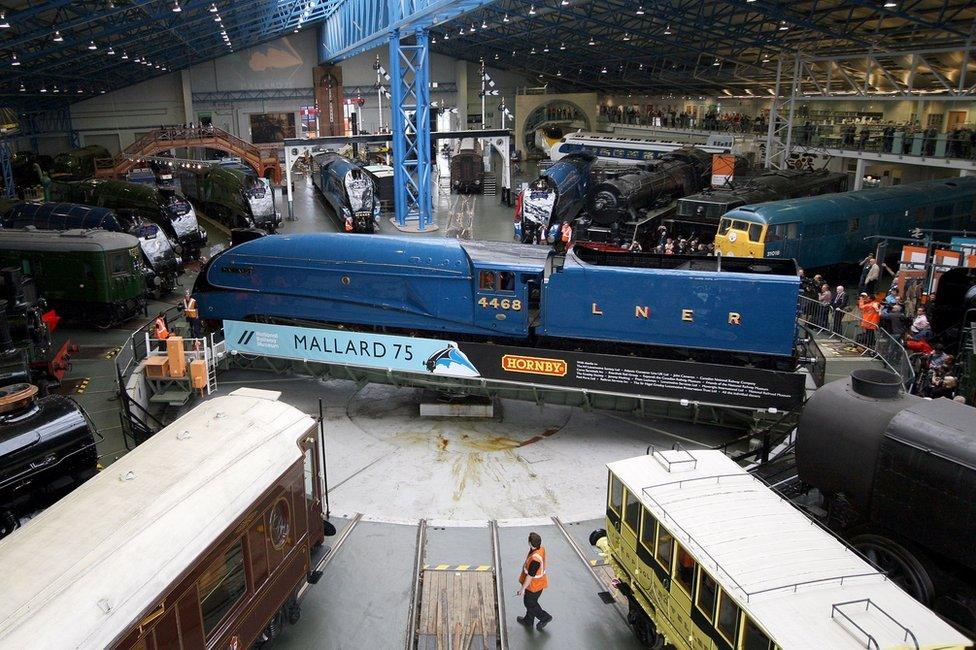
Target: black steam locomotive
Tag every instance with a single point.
(895, 474)
(47, 447)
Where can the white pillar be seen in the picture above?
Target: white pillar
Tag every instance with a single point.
(461, 81)
(188, 115)
(859, 174)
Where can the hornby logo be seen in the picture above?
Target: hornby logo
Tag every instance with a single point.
(534, 365)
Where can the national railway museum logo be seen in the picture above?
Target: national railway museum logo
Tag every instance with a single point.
(534, 365)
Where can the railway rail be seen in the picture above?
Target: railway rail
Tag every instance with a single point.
(457, 607)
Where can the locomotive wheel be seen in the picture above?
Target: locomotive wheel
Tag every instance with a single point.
(644, 628)
(900, 564)
(8, 523)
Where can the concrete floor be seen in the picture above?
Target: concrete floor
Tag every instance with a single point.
(396, 468)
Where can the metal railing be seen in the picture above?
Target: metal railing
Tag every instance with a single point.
(847, 325)
(871, 642)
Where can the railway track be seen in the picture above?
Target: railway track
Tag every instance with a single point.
(456, 607)
(601, 573)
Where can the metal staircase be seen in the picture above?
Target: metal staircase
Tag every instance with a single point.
(177, 137)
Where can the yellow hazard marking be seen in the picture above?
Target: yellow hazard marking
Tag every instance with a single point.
(82, 386)
(457, 567)
(114, 351)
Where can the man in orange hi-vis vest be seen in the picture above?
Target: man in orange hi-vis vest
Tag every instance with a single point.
(533, 580)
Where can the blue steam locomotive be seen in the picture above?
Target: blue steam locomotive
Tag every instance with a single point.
(349, 190)
(706, 309)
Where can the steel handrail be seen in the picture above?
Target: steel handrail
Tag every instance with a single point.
(817, 315)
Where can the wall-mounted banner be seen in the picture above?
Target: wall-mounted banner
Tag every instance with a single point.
(642, 377)
(402, 353)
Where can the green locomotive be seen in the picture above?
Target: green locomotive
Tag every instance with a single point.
(163, 206)
(234, 196)
(94, 276)
(78, 164)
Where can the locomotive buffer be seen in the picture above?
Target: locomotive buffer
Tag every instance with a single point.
(456, 606)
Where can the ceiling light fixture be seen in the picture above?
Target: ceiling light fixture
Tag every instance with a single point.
(783, 26)
(57, 37)
(484, 24)
(80, 92)
(532, 10)
(13, 59)
(626, 37)
(22, 88)
(667, 30)
(110, 51)
(890, 4)
(562, 46)
(3, 20)
(43, 89)
(92, 46)
(505, 19)
(176, 7)
(473, 29)
(559, 73)
(217, 18)
(640, 10)
(592, 42)
(213, 8)
(546, 48)
(604, 70)
(125, 57)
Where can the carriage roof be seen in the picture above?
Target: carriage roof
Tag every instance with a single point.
(786, 572)
(29, 239)
(83, 571)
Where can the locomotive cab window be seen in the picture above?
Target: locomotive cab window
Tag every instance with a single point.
(486, 281)
(222, 586)
(632, 511)
(724, 225)
(119, 265)
(755, 231)
(854, 225)
(506, 281)
(616, 495)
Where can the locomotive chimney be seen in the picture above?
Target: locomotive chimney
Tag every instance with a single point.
(877, 384)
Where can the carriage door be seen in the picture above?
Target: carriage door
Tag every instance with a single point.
(791, 240)
(313, 463)
(500, 302)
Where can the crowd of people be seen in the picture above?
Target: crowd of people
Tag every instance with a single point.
(689, 118)
(887, 325)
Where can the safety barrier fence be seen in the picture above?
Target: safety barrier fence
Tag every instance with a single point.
(846, 325)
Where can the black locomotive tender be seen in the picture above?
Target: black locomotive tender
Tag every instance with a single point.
(895, 475)
(47, 447)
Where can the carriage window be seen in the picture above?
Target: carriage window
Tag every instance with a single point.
(506, 281)
(632, 512)
(707, 592)
(753, 638)
(684, 573)
(221, 586)
(616, 495)
(728, 617)
(119, 264)
(665, 548)
(854, 225)
(487, 281)
(755, 230)
(648, 529)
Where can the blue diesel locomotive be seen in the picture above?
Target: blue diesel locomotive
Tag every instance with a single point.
(706, 309)
(349, 191)
(833, 229)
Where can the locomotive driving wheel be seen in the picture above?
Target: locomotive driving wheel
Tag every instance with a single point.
(899, 564)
